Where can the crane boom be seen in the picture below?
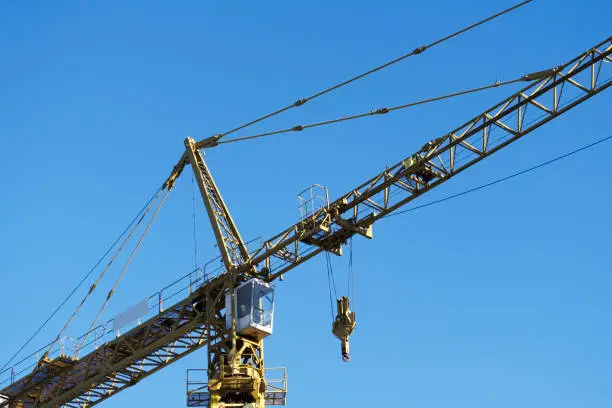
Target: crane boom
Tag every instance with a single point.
(182, 328)
(553, 93)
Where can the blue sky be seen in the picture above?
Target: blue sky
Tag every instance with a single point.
(495, 299)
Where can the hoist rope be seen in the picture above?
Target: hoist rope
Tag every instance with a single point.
(416, 51)
(100, 276)
(81, 282)
(127, 263)
(331, 283)
(500, 180)
(350, 287)
(373, 112)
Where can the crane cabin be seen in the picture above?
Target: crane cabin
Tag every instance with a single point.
(254, 309)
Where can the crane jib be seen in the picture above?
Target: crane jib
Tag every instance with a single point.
(569, 85)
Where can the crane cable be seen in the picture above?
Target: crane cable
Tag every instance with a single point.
(331, 280)
(81, 282)
(382, 111)
(500, 180)
(416, 51)
(193, 212)
(100, 276)
(331, 284)
(127, 263)
(350, 286)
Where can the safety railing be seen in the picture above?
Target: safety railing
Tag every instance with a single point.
(311, 200)
(276, 385)
(198, 394)
(197, 387)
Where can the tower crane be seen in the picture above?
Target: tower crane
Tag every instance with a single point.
(231, 312)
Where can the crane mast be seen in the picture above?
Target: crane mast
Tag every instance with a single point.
(235, 362)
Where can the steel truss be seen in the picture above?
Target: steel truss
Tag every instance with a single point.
(439, 160)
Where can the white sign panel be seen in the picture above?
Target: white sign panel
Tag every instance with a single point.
(132, 314)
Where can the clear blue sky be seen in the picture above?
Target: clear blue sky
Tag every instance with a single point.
(497, 299)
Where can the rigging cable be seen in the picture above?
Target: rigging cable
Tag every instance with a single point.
(127, 263)
(416, 51)
(528, 170)
(350, 290)
(381, 111)
(100, 276)
(331, 283)
(193, 208)
(78, 286)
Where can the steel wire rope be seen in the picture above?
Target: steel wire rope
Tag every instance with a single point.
(193, 209)
(416, 51)
(127, 263)
(374, 112)
(351, 278)
(78, 286)
(331, 283)
(100, 276)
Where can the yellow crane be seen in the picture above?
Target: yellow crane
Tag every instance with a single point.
(230, 311)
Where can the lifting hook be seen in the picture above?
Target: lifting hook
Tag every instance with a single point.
(343, 325)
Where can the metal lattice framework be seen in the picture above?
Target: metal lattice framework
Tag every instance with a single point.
(232, 248)
(439, 160)
(199, 319)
